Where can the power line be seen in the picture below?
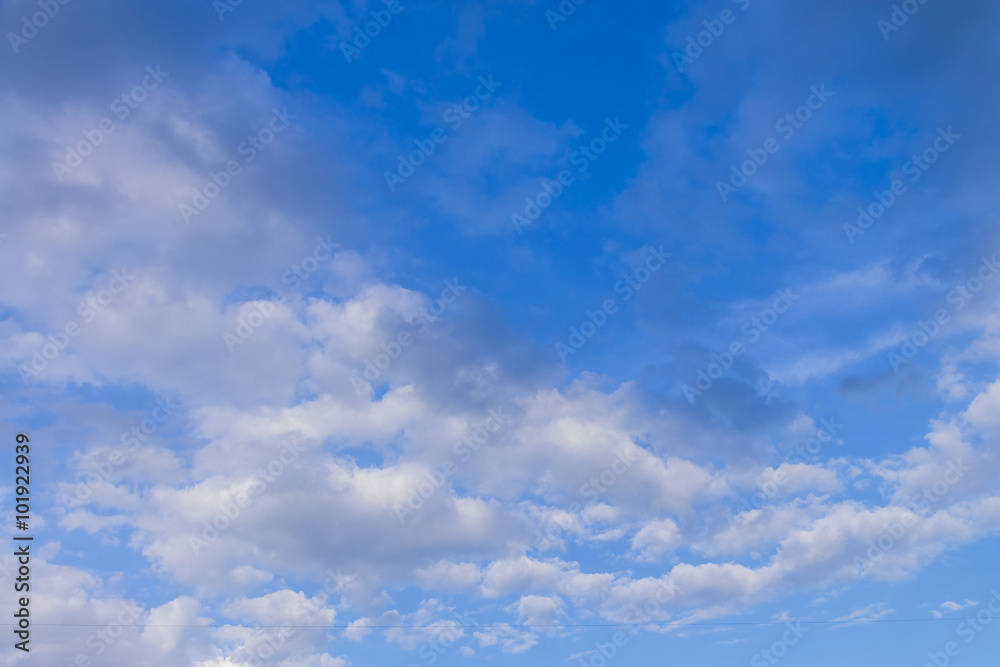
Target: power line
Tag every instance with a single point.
(523, 625)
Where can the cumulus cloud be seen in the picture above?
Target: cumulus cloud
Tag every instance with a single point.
(366, 385)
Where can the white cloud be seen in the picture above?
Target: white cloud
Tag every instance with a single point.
(872, 612)
(656, 539)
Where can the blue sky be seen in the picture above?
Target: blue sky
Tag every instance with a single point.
(501, 329)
